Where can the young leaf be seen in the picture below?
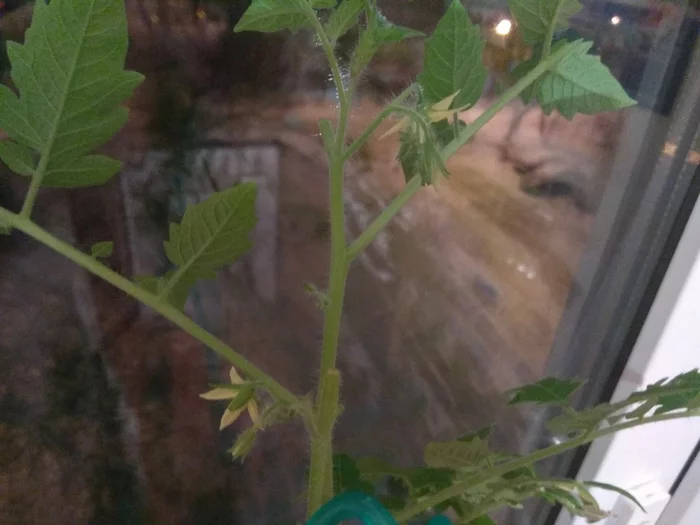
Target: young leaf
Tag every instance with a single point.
(179, 292)
(418, 154)
(457, 454)
(71, 80)
(102, 249)
(269, 16)
(546, 391)
(453, 60)
(377, 34)
(581, 83)
(613, 488)
(343, 18)
(212, 234)
(535, 17)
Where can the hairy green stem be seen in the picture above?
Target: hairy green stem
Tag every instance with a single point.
(320, 469)
(526, 461)
(171, 313)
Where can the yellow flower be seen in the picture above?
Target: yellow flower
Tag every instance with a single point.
(242, 396)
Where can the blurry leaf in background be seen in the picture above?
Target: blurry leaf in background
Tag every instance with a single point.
(378, 33)
(534, 17)
(586, 420)
(102, 249)
(457, 454)
(268, 16)
(548, 390)
(343, 18)
(346, 476)
(70, 76)
(452, 61)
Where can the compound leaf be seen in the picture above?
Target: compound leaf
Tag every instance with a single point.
(70, 76)
(682, 391)
(269, 16)
(212, 234)
(545, 391)
(581, 83)
(102, 249)
(536, 17)
(452, 61)
(343, 18)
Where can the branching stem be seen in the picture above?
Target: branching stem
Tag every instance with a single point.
(171, 313)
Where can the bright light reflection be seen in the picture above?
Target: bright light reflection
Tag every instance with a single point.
(504, 27)
(615, 20)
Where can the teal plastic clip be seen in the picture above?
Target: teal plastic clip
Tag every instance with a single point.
(357, 506)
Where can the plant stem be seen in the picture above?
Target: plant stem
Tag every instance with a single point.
(525, 461)
(321, 467)
(381, 117)
(547, 45)
(34, 185)
(412, 187)
(90, 264)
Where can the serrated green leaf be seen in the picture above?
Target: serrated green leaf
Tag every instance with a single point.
(583, 421)
(453, 60)
(613, 488)
(269, 16)
(102, 249)
(548, 390)
(20, 159)
(457, 454)
(535, 17)
(379, 33)
(211, 235)
(672, 394)
(70, 76)
(343, 18)
(581, 83)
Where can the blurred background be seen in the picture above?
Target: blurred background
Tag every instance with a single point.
(531, 260)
